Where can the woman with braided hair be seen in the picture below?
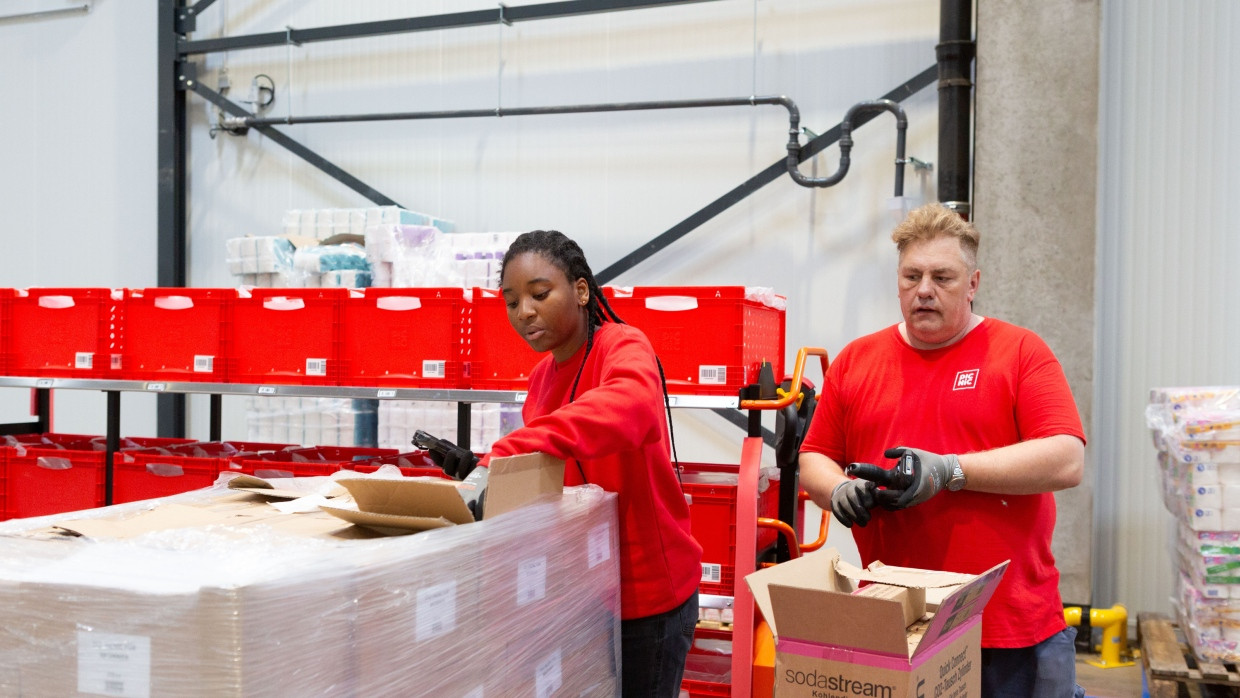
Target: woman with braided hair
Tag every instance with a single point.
(598, 401)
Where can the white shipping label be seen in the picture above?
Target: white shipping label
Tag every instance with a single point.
(713, 375)
(547, 676)
(114, 665)
(316, 367)
(712, 572)
(433, 369)
(598, 544)
(436, 612)
(84, 359)
(204, 364)
(531, 580)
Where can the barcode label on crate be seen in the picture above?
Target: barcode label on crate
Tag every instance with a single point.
(434, 369)
(713, 375)
(436, 611)
(712, 572)
(114, 665)
(84, 359)
(531, 580)
(316, 367)
(204, 364)
(548, 676)
(598, 544)
(116, 362)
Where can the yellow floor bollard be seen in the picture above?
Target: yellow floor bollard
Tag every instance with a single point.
(1114, 623)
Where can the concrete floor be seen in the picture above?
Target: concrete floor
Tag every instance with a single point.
(1116, 682)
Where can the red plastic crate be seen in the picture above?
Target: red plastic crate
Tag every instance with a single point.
(52, 474)
(178, 334)
(413, 464)
(308, 462)
(711, 490)
(405, 337)
(707, 673)
(100, 443)
(158, 472)
(498, 358)
(711, 340)
(66, 333)
(287, 336)
(6, 325)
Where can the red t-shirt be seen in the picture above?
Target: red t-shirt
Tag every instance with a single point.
(997, 386)
(616, 430)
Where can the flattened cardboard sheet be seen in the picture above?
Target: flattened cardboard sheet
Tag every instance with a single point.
(403, 506)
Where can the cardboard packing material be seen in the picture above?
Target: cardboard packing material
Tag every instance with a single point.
(833, 642)
(218, 593)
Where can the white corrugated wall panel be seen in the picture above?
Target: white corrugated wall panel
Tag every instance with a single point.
(1169, 250)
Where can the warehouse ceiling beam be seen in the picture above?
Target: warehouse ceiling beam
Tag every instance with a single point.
(451, 20)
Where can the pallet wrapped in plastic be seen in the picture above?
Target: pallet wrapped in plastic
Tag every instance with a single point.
(217, 593)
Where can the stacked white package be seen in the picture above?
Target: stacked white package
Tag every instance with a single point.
(258, 254)
(1197, 433)
(399, 419)
(311, 421)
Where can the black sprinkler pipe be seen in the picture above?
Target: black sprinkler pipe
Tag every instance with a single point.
(955, 53)
(846, 143)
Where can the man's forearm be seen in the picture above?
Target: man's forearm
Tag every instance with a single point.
(1029, 467)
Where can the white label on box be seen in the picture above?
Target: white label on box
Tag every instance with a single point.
(84, 359)
(547, 676)
(316, 367)
(204, 363)
(434, 369)
(436, 611)
(598, 544)
(531, 580)
(712, 572)
(713, 375)
(114, 665)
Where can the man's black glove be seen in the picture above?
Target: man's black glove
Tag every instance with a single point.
(476, 506)
(917, 477)
(852, 500)
(456, 462)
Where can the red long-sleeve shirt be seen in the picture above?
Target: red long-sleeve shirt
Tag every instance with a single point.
(616, 430)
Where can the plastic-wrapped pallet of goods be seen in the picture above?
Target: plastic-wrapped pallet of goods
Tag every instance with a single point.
(1197, 433)
(297, 604)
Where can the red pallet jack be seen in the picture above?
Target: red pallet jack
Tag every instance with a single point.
(752, 647)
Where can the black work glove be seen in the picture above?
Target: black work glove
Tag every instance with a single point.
(852, 500)
(916, 478)
(456, 462)
(476, 506)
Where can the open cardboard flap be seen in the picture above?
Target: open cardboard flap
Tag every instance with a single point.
(268, 488)
(420, 504)
(811, 599)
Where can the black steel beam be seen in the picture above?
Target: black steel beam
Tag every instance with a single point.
(293, 146)
(171, 223)
(452, 20)
(754, 183)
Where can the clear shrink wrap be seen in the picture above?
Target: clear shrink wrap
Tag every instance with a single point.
(217, 593)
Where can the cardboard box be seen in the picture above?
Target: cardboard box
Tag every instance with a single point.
(220, 593)
(833, 642)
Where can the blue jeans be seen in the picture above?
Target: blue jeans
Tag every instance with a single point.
(1046, 670)
(653, 650)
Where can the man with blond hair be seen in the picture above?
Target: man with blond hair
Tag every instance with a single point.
(981, 413)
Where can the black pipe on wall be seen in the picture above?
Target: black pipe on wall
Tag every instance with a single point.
(955, 53)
